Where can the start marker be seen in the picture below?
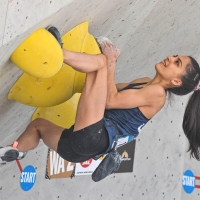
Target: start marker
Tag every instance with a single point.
(28, 178)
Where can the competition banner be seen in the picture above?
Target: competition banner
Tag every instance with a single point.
(57, 167)
(87, 167)
(127, 152)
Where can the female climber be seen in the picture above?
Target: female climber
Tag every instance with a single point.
(106, 108)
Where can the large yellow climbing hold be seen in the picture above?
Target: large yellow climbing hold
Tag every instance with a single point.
(39, 55)
(43, 92)
(47, 92)
(62, 115)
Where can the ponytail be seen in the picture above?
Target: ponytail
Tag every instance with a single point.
(191, 120)
(191, 124)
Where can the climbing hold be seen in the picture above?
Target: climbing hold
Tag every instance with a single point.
(47, 92)
(62, 115)
(39, 55)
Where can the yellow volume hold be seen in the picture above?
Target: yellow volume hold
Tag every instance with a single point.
(39, 55)
(47, 92)
(62, 115)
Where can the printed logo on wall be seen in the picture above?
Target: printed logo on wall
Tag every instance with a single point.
(28, 178)
(87, 167)
(57, 167)
(189, 181)
(86, 163)
(127, 152)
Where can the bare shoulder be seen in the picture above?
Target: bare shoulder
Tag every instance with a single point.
(156, 97)
(156, 91)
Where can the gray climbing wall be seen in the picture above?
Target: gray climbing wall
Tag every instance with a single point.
(146, 32)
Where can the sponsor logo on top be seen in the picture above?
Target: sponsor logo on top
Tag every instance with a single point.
(140, 127)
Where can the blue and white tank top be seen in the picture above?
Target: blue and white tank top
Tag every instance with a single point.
(128, 121)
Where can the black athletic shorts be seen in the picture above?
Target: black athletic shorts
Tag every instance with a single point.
(83, 144)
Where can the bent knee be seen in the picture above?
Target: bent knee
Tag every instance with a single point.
(39, 121)
(102, 61)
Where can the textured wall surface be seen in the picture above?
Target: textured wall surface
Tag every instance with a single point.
(146, 32)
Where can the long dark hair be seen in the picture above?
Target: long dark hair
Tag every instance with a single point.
(191, 118)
